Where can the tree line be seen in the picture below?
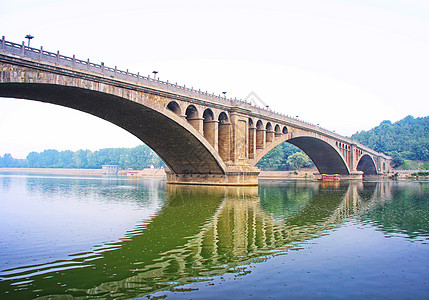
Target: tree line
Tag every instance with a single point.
(406, 139)
(283, 157)
(136, 158)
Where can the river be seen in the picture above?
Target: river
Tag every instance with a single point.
(120, 238)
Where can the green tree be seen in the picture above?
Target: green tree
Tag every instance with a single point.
(299, 160)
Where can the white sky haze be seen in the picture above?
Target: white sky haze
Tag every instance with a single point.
(345, 64)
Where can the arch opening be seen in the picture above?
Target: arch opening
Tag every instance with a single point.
(161, 132)
(366, 165)
(277, 130)
(252, 138)
(174, 107)
(269, 136)
(210, 126)
(325, 157)
(224, 136)
(192, 117)
(260, 135)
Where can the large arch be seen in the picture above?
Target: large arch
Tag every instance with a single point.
(367, 165)
(159, 128)
(324, 156)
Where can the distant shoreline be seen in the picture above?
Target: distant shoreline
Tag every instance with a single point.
(303, 174)
(52, 171)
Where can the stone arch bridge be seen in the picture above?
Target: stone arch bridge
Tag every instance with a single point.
(203, 138)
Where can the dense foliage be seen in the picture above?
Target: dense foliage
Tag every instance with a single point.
(284, 157)
(127, 158)
(405, 139)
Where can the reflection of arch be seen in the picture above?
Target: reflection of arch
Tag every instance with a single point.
(367, 165)
(174, 107)
(209, 127)
(269, 133)
(192, 116)
(224, 135)
(260, 135)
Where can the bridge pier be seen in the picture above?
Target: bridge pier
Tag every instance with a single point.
(234, 176)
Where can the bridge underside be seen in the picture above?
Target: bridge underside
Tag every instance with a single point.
(324, 156)
(181, 150)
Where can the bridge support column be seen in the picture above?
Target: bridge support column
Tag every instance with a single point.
(260, 139)
(210, 129)
(270, 136)
(234, 176)
(197, 123)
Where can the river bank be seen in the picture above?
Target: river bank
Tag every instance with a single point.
(305, 174)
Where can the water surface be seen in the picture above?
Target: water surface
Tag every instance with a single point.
(95, 237)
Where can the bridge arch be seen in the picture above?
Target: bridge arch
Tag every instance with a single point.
(325, 157)
(269, 133)
(224, 137)
(210, 127)
(175, 107)
(157, 126)
(285, 130)
(192, 116)
(277, 130)
(260, 135)
(367, 165)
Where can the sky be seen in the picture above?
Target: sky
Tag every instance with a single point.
(344, 64)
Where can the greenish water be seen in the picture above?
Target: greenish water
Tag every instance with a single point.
(95, 237)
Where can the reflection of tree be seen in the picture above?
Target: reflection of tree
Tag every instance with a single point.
(400, 208)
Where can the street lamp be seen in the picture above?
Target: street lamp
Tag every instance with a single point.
(29, 37)
(154, 74)
(224, 94)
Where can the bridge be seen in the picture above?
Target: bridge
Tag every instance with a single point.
(203, 138)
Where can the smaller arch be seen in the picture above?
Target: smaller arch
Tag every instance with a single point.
(208, 115)
(224, 136)
(223, 118)
(192, 117)
(252, 138)
(277, 130)
(285, 130)
(269, 136)
(174, 107)
(209, 127)
(260, 135)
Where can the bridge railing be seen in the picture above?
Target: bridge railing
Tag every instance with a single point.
(87, 65)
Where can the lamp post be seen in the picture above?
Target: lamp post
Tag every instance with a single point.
(154, 74)
(224, 94)
(29, 37)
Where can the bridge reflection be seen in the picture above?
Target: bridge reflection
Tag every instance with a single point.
(201, 231)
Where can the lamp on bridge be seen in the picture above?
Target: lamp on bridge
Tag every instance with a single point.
(154, 74)
(224, 94)
(29, 37)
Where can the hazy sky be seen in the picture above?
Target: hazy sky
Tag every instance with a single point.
(345, 64)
